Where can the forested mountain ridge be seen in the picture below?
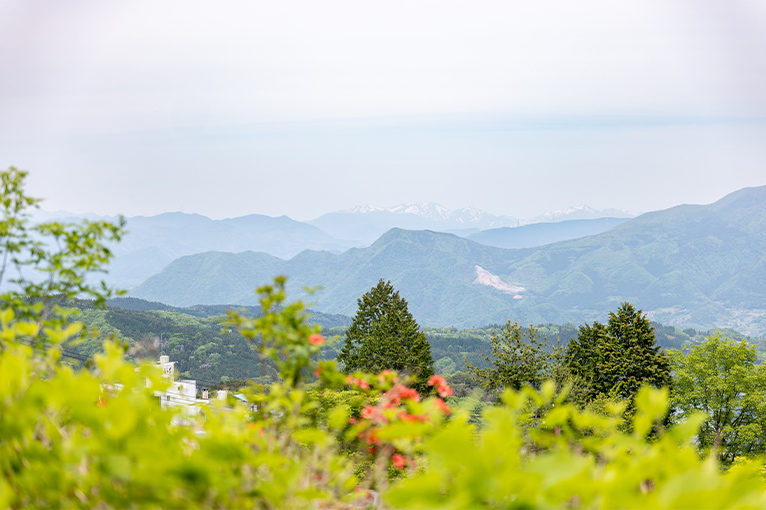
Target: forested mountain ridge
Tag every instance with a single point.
(691, 264)
(203, 350)
(700, 266)
(152, 242)
(416, 261)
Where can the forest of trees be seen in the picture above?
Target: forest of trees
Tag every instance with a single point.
(612, 420)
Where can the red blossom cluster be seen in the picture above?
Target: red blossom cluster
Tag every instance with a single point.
(316, 339)
(398, 394)
(359, 383)
(442, 406)
(404, 416)
(442, 388)
(399, 403)
(370, 413)
(386, 375)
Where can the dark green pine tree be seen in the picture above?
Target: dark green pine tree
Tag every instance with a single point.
(384, 335)
(616, 359)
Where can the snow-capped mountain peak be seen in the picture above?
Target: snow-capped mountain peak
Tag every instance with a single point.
(429, 210)
(579, 212)
(366, 223)
(430, 215)
(362, 209)
(467, 217)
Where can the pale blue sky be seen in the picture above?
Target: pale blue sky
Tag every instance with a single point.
(303, 107)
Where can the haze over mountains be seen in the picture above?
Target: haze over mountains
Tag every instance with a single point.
(691, 265)
(367, 223)
(694, 265)
(539, 234)
(155, 241)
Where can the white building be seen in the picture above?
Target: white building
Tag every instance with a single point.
(181, 393)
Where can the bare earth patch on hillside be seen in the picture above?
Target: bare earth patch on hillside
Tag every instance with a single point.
(484, 277)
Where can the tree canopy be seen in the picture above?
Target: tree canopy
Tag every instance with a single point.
(72, 437)
(516, 362)
(721, 378)
(617, 358)
(384, 335)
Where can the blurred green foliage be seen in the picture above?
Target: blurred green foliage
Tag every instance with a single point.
(96, 437)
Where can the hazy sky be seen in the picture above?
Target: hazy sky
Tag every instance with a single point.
(228, 108)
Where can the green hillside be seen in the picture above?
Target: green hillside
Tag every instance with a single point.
(691, 265)
(433, 271)
(194, 339)
(700, 266)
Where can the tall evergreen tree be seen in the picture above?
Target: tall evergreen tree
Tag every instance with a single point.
(617, 358)
(384, 335)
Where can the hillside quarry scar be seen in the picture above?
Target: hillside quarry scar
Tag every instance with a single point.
(484, 277)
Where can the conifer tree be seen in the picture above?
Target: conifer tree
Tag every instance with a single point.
(617, 358)
(516, 362)
(384, 335)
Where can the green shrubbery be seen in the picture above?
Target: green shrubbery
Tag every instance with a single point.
(96, 437)
(77, 438)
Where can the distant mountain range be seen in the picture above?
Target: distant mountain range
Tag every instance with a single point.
(539, 234)
(692, 265)
(579, 212)
(155, 241)
(366, 223)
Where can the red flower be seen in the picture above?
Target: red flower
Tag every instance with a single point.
(398, 460)
(411, 417)
(316, 339)
(441, 406)
(369, 412)
(405, 392)
(442, 388)
(391, 399)
(384, 374)
(360, 383)
(436, 380)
